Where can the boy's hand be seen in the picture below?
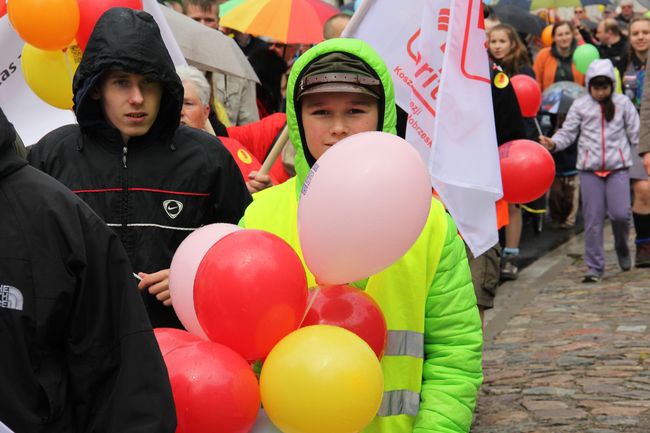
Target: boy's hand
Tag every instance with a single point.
(257, 182)
(546, 142)
(157, 284)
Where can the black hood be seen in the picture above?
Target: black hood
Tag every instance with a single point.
(9, 160)
(128, 40)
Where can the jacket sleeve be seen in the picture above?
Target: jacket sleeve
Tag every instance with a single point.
(248, 107)
(566, 135)
(632, 125)
(453, 341)
(258, 137)
(231, 197)
(118, 379)
(644, 133)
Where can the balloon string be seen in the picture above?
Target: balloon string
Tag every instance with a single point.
(310, 304)
(539, 128)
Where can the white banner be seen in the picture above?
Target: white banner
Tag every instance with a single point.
(464, 160)
(31, 117)
(436, 52)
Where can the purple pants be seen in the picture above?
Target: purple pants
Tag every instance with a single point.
(611, 193)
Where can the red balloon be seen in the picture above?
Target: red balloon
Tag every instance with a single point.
(250, 291)
(214, 389)
(352, 309)
(91, 10)
(170, 338)
(3, 8)
(529, 95)
(527, 170)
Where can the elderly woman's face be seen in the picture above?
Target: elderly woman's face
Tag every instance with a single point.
(194, 112)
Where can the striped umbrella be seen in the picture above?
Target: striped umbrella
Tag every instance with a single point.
(287, 21)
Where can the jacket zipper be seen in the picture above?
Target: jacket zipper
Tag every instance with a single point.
(125, 200)
(602, 134)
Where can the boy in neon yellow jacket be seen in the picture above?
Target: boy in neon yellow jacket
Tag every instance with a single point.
(432, 362)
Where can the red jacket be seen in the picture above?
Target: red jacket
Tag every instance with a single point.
(258, 137)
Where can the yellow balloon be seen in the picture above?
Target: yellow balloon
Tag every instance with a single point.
(49, 73)
(321, 379)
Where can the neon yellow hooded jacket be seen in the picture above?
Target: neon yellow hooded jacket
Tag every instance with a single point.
(432, 362)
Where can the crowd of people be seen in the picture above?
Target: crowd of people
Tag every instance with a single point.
(624, 40)
(145, 166)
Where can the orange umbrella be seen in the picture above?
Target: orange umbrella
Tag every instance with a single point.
(287, 21)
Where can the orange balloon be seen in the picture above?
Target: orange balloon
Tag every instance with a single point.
(46, 24)
(547, 36)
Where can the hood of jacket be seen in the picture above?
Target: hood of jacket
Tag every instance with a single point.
(128, 40)
(598, 68)
(9, 159)
(358, 49)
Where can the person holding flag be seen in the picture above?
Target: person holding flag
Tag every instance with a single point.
(432, 365)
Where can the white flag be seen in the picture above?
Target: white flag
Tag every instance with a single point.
(436, 52)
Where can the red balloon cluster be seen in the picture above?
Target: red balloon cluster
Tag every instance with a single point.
(352, 309)
(249, 291)
(529, 94)
(527, 170)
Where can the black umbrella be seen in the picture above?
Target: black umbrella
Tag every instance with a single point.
(522, 20)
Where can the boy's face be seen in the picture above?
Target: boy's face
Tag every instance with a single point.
(328, 118)
(131, 102)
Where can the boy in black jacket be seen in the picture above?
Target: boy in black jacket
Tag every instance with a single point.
(148, 178)
(78, 353)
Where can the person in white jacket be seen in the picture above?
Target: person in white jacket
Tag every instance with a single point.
(608, 127)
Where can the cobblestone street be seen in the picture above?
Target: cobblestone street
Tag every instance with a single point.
(563, 356)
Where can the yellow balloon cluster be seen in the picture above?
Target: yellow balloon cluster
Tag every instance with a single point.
(49, 73)
(321, 379)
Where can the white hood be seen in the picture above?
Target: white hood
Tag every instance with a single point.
(600, 67)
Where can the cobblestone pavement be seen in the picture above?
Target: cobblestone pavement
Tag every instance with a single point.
(563, 356)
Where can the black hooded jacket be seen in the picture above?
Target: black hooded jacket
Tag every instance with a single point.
(158, 188)
(77, 350)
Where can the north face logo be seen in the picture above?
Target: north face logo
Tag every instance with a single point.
(11, 298)
(173, 208)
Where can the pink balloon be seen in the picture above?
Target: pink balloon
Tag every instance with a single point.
(363, 205)
(182, 271)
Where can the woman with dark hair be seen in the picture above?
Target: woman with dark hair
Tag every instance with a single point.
(555, 63)
(509, 53)
(608, 128)
(633, 77)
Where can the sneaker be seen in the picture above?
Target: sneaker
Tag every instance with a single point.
(642, 259)
(591, 278)
(625, 262)
(510, 271)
